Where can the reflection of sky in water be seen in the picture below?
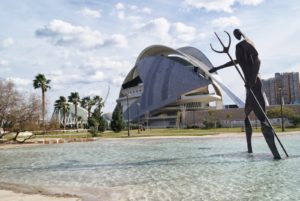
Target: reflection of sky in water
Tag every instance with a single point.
(162, 169)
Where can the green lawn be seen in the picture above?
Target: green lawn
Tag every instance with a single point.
(150, 133)
(183, 132)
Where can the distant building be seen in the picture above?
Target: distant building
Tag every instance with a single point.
(283, 84)
(82, 115)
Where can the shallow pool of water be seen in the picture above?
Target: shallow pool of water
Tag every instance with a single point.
(161, 169)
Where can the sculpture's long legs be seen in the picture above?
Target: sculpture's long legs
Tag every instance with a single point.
(248, 130)
(265, 127)
(269, 137)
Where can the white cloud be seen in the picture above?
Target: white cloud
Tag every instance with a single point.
(3, 62)
(146, 10)
(133, 7)
(119, 6)
(183, 31)
(219, 5)
(7, 42)
(226, 22)
(20, 82)
(211, 5)
(133, 19)
(64, 78)
(118, 40)
(106, 63)
(166, 32)
(62, 33)
(110, 70)
(95, 92)
(158, 27)
(97, 76)
(121, 14)
(136, 9)
(4, 67)
(117, 80)
(96, 70)
(131, 13)
(90, 13)
(56, 73)
(119, 11)
(250, 2)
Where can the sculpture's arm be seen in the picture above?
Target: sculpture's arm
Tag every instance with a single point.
(228, 64)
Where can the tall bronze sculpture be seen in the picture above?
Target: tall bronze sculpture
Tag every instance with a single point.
(247, 58)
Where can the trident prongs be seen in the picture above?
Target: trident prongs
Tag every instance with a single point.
(225, 48)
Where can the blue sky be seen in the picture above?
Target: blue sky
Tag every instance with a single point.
(90, 45)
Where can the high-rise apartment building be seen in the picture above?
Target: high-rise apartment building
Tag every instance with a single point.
(285, 85)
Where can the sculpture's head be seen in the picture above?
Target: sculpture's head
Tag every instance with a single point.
(238, 34)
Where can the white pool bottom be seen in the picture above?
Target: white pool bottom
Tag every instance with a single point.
(159, 169)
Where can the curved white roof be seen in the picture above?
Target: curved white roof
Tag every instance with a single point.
(159, 57)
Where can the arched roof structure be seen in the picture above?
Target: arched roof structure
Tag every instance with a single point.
(82, 114)
(167, 74)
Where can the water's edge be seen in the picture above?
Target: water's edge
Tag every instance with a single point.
(84, 193)
(28, 189)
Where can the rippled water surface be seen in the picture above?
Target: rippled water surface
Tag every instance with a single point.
(161, 169)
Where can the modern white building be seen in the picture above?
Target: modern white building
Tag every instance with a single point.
(166, 82)
(82, 115)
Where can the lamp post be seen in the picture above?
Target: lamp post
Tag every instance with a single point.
(147, 118)
(281, 110)
(128, 114)
(138, 104)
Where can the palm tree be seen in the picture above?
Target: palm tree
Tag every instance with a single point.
(98, 101)
(80, 120)
(87, 103)
(75, 99)
(62, 104)
(40, 81)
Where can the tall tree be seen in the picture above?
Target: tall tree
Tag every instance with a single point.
(25, 117)
(98, 101)
(96, 119)
(18, 112)
(63, 105)
(117, 123)
(75, 99)
(9, 98)
(87, 103)
(41, 82)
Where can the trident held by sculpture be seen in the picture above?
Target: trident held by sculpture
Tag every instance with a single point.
(261, 110)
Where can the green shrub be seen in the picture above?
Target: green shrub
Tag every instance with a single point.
(94, 131)
(208, 124)
(117, 123)
(295, 121)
